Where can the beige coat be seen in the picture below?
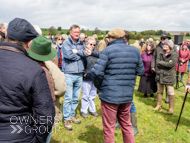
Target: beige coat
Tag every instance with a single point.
(137, 46)
(60, 88)
(102, 44)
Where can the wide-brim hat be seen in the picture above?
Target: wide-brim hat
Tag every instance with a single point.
(41, 50)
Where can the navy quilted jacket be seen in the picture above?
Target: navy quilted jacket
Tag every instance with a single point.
(117, 68)
(23, 87)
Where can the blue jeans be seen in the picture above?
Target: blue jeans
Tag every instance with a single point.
(70, 102)
(49, 136)
(133, 109)
(88, 96)
(188, 65)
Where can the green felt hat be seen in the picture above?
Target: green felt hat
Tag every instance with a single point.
(41, 50)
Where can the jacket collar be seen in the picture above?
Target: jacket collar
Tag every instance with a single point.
(79, 41)
(163, 52)
(117, 41)
(14, 46)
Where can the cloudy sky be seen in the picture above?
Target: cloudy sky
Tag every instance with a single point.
(133, 15)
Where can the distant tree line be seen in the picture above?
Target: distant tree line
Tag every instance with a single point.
(133, 34)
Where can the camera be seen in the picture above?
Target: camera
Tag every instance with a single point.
(181, 63)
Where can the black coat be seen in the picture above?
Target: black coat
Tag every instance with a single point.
(89, 64)
(23, 87)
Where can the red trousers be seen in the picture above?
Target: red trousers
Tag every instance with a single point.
(109, 114)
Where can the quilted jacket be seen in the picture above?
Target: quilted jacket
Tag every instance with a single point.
(23, 88)
(117, 68)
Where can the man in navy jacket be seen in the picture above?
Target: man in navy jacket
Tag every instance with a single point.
(116, 69)
(26, 106)
(73, 67)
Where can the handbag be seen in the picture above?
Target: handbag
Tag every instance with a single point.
(97, 82)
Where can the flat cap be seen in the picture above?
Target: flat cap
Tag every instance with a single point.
(21, 30)
(116, 33)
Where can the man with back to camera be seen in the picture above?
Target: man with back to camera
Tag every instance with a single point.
(117, 83)
(73, 67)
(27, 110)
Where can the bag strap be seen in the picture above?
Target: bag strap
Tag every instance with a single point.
(11, 49)
(92, 60)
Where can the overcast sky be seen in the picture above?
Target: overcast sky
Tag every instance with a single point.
(133, 15)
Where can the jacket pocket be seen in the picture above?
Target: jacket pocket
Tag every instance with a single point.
(168, 79)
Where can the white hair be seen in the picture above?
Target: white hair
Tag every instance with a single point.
(136, 41)
(82, 35)
(3, 25)
(38, 30)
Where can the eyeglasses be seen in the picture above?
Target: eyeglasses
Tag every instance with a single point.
(163, 38)
(92, 44)
(60, 39)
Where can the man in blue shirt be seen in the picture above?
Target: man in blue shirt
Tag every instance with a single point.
(73, 67)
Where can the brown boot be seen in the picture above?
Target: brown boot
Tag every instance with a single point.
(75, 120)
(171, 104)
(159, 101)
(67, 124)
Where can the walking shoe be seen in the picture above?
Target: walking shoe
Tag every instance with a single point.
(75, 120)
(84, 115)
(145, 96)
(94, 114)
(67, 124)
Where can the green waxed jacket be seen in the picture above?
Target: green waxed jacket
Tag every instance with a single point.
(165, 67)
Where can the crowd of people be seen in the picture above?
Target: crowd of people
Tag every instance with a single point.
(38, 70)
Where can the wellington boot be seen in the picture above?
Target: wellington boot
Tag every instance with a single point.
(171, 104)
(159, 101)
(134, 122)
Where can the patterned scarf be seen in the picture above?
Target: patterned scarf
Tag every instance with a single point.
(59, 46)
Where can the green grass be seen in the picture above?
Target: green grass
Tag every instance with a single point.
(154, 126)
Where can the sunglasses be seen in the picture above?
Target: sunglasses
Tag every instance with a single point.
(92, 44)
(60, 39)
(163, 39)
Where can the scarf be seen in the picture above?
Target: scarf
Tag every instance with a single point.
(59, 46)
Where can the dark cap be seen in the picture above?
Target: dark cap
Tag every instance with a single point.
(21, 30)
(165, 35)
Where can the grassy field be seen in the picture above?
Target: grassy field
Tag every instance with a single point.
(154, 126)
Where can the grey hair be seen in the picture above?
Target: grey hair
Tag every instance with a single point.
(136, 41)
(169, 43)
(82, 34)
(3, 25)
(74, 26)
(38, 30)
(87, 41)
(150, 43)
